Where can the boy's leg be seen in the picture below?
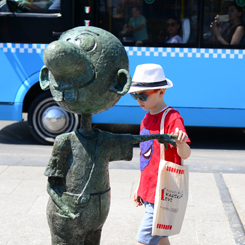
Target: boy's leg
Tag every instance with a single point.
(164, 241)
(144, 236)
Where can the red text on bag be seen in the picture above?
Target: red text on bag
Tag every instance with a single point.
(175, 170)
(164, 227)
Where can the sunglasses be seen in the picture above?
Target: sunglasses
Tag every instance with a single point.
(171, 24)
(143, 97)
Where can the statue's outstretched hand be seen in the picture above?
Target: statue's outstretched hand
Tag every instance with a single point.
(167, 138)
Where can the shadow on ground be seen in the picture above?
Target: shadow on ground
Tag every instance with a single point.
(217, 138)
(17, 133)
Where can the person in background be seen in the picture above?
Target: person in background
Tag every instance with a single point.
(137, 25)
(174, 29)
(234, 32)
(118, 22)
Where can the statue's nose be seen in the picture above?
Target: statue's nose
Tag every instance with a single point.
(65, 59)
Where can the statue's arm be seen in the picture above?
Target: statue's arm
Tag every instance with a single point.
(56, 194)
(162, 138)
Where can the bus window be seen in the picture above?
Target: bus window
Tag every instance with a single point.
(34, 21)
(223, 24)
(30, 6)
(150, 23)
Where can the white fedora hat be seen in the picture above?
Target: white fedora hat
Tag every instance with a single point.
(149, 76)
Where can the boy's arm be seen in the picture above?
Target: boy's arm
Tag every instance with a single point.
(138, 201)
(162, 138)
(183, 149)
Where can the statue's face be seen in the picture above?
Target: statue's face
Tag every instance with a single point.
(82, 68)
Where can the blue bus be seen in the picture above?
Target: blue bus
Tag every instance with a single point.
(207, 74)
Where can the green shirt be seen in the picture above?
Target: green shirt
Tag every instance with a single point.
(140, 35)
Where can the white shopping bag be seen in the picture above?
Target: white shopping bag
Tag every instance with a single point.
(171, 195)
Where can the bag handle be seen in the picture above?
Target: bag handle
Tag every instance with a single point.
(162, 156)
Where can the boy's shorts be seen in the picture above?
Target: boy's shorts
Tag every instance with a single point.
(145, 229)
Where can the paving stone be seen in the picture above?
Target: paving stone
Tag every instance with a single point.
(215, 233)
(31, 187)
(7, 186)
(236, 185)
(2, 169)
(20, 172)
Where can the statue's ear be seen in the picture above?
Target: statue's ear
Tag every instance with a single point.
(43, 78)
(121, 82)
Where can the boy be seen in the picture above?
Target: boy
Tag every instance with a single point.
(148, 88)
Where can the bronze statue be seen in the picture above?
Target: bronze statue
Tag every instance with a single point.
(87, 73)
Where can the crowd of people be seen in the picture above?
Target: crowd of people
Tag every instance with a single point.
(139, 28)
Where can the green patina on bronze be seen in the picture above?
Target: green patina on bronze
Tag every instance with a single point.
(87, 73)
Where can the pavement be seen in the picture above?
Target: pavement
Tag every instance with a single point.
(215, 212)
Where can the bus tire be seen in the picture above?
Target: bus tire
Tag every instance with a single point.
(46, 119)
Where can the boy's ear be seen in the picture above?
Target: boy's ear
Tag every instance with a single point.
(162, 91)
(43, 78)
(121, 83)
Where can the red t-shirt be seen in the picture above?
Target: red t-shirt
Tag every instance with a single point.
(150, 150)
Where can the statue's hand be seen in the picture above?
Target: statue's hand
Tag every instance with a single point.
(72, 215)
(66, 212)
(167, 138)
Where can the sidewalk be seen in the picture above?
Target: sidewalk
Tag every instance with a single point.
(23, 201)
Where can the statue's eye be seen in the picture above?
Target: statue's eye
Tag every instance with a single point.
(86, 42)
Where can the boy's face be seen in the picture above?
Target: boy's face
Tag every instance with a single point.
(153, 100)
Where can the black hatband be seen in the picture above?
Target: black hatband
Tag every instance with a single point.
(155, 84)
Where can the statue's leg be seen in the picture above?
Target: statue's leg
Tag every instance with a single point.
(99, 204)
(67, 233)
(57, 240)
(75, 240)
(93, 238)
(64, 231)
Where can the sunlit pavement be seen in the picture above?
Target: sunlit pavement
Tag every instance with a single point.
(215, 208)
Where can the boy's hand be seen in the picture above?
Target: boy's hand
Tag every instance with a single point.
(181, 136)
(167, 138)
(137, 200)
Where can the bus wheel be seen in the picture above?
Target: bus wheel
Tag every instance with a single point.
(46, 119)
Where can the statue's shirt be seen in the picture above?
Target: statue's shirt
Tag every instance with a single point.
(76, 159)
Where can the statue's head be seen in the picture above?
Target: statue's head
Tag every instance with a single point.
(86, 70)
